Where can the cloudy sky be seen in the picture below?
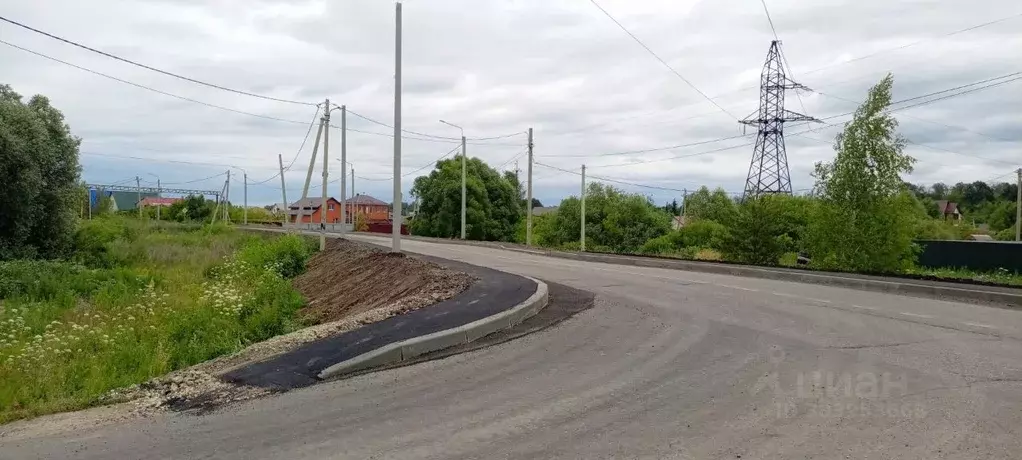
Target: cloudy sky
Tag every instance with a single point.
(499, 67)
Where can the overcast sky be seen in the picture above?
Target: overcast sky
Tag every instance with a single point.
(497, 67)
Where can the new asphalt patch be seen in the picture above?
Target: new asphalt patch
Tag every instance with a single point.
(494, 292)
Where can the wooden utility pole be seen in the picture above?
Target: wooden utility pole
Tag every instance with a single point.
(308, 176)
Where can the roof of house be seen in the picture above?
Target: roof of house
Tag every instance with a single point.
(310, 202)
(152, 200)
(947, 207)
(366, 200)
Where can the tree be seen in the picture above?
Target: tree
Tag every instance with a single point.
(673, 208)
(716, 206)
(40, 170)
(757, 234)
(866, 218)
(192, 208)
(615, 220)
(493, 209)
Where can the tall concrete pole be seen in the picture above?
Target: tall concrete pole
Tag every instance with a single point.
(1018, 208)
(528, 199)
(227, 198)
(308, 177)
(396, 230)
(353, 210)
(138, 190)
(245, 211)
(283, 191)
(583, 201)
(326, 174)
(464, 187)
(344, 165)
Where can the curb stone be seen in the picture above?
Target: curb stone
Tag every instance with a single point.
(408, 349)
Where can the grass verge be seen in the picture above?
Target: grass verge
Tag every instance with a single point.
(138, 300)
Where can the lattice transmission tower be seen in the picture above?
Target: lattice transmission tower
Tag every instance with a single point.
(768, 172)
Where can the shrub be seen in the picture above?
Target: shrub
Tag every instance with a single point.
(757, 236)
(285, 255)
(660, 245)
(702, 233)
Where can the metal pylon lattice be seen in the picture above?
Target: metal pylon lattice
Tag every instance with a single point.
(768, 172)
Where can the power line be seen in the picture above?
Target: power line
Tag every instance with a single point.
(746, 88)
(434, 162)
(121, 80)
(299, 152)
(164, 72)
(196, 180)
(608, 179)
(771, 21)
(377, 122)
(630, 34)
(1017, 75)
(901, 47)
(655, 149)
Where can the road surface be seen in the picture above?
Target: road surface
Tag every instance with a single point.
(668, 364)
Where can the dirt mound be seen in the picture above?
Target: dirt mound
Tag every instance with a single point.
(349, 279)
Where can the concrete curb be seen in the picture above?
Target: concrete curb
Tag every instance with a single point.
(408, 349)
(968, 293)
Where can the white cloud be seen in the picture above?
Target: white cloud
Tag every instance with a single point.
(502, 66)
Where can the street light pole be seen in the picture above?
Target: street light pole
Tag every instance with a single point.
(464, 174)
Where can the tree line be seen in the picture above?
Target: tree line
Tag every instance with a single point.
(860, 216)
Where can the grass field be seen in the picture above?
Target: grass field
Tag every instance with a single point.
(138, 300)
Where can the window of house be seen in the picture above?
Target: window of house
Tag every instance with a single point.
(330, 207)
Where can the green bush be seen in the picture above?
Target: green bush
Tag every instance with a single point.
(702, 233)
(285, 255)
(660, 245)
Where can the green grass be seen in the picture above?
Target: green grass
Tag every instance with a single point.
(138, 301)
(1000, 276)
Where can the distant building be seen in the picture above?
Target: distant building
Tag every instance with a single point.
(948, 210)
(276, 208)
(311, 209)
(162, 202)
(540, 210)
(375, 210)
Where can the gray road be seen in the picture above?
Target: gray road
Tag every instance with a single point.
(668, 364)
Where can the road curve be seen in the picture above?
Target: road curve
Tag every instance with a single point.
(668, 364)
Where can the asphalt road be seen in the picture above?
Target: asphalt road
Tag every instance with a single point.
(668, 364)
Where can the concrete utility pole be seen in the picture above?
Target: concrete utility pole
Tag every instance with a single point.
(464, 178)
(396, 221)
(138, 189)
(283, 191)
(159, 193)
(1018, 208)
(308, 177)
(353, 198)
(344, 165)
(245, 211)
(326, 174)
(227, 198)
(583, 200)
(528, 199)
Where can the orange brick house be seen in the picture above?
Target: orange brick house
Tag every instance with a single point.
(310, 210)
(375, 210)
